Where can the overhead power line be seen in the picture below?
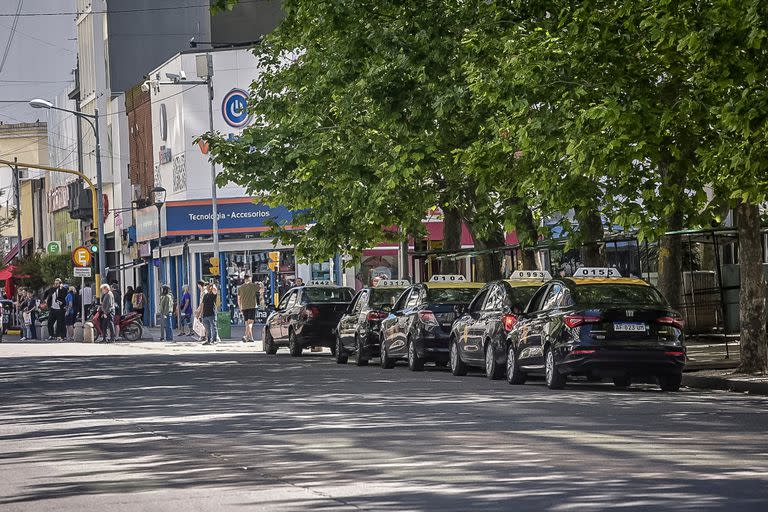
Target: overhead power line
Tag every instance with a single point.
(10, 36)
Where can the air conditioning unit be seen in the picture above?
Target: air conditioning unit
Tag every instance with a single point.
(24, 174)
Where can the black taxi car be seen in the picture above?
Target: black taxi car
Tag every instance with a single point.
(306, 316)
(479, 337)
(599, 325)
(358, 329)
(419, 326)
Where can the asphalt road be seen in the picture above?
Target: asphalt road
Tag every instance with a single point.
(147, 427)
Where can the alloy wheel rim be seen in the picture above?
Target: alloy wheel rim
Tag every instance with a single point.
(488, 360)
(410, 352)
(510, 363)
(454, 356)
(549, 365)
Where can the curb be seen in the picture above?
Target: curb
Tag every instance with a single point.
(721, 384)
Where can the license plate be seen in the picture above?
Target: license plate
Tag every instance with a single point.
(629, 327)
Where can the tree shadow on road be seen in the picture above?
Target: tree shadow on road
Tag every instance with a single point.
(342, 436)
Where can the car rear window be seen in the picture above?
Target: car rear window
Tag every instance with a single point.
(451, 295)
(522, 294)
(617, 294)
(385, 296)
(317, 294)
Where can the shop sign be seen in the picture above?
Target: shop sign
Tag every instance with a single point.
(234, 108)
(240, 215)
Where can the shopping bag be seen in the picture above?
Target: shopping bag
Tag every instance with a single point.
(198, 327)
(27, 317)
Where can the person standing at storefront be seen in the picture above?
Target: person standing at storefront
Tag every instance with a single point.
(127, 298)
(55, 300)
(29, 312)
(165, 308)
(107, 310)
(208, 312)
(247, 296)
(137, 301)
(185, 312)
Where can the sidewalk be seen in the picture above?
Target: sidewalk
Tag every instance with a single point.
(153, 333)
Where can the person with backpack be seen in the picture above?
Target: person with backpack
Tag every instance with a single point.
(137, 301)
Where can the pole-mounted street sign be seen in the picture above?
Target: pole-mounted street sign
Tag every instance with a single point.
(53, 247)
(82, 257)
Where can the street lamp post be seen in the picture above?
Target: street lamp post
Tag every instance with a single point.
(204, 71)
(159, 193)
(93, 120)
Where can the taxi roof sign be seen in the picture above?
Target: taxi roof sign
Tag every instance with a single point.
(391, 282)
(321, 282)
(596, 272)
(448, 278)
(530, 274)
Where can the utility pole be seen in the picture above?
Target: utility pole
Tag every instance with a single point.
(17, 194)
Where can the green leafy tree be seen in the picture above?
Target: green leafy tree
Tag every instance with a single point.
(56, 265)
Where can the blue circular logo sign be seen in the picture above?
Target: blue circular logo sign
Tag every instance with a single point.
(234, 108)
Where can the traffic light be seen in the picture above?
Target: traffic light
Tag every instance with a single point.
(93, 245)
(214, 268)
(274, 260)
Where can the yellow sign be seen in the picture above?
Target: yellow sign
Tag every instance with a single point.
(214, 271)
(214, 261)
(274, 256)
(274, 260)
(82, 257)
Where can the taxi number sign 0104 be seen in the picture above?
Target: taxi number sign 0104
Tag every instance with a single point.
(81, 257)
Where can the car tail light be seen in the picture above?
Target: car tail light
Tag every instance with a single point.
(674, 321)
(376, 315)
(581, 352)
(428, 317)
(675, 353)
(509, 321)
(577, 320)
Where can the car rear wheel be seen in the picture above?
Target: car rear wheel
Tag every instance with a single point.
(622, 382)
(670, 382)
(386, 362)
(554, 379)
(415, 363)
(458, 368)
(514, 374)
(269, 343)
(293, 345)
(361, 360)
(492, 367)
(341, 354)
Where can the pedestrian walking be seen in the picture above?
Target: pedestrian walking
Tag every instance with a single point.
(137, 301)
(165, 308)
(128, 299)
(55, 301)
(247, 297)
(107, 314)
(202, 287)
(29, 314)
(71, 311)
(208, 312)
(185, 312)
(118, 298)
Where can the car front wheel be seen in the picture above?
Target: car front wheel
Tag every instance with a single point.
(341, 354)
(515, 375)
(458, 368)
(554, 379)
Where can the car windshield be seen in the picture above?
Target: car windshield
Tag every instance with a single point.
(589, 294)
(316, 294)
(451, 295)
(385, 296)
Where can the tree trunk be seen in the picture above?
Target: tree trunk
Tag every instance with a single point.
(451, 240)
(754, 351)
(671, 261)
(488, 265)
(530, 234)
(591, 227)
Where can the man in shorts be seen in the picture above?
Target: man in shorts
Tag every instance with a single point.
(247, 297)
